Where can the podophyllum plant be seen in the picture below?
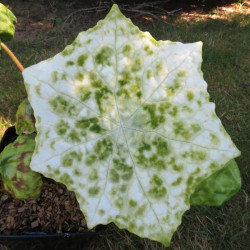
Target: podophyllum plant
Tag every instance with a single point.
(17, 177)
(126, 123)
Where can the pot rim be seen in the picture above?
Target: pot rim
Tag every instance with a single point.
(40, 235)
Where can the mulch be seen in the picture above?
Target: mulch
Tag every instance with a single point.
(55, 211)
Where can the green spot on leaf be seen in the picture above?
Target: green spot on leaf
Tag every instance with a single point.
(182, 73)
(132, 203)
(149, 73)
(82, 59)
(141, 210)
(94, 191)
(155, 119)
(84, 93)
(157, 190)
(62, 127)
(125, 78)
(73, 136)
(54, 76)
(104, 55)
(104, 149)
(114, 176)
(69, 63)
(65, 178)
(126, 50)
(79, 76)
(190, 95)
(177, 182)
(93, 175)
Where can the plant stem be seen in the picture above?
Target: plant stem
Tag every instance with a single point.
(12, 56)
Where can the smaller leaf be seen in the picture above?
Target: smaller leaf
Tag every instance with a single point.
(18, 178)
(25, 120)
(7, 22)
(219, 187)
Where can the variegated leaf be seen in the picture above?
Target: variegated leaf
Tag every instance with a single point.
(125, 121)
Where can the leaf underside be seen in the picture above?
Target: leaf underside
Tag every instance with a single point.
(219, 187)
(125, 121)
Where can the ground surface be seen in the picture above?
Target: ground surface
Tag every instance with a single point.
(45, 27)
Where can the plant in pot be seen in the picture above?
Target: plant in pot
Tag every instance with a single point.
(125, 122)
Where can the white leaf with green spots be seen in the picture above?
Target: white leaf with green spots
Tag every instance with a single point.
(125, 121)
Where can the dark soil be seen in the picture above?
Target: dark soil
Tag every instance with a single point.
(55, 211)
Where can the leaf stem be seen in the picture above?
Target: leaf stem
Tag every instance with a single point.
(12, 56)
